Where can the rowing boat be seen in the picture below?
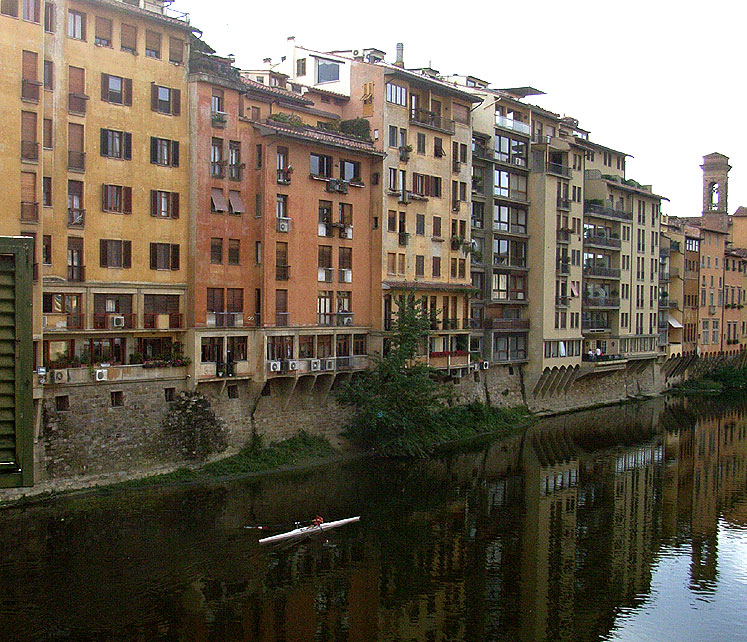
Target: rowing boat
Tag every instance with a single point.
(308, 530)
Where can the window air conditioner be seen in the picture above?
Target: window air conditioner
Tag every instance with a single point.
(274, 366)
(118, 322)
(59, 376)
(485, 365)
(293, 365)
(101, 375)
(316, 365)
(329, 364)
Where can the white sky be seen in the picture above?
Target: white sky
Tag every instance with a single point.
(661, 80)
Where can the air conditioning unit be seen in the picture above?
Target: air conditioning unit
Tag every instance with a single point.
(274, 366)
(118, 322)
(322, 229)
(405, 196)
(329, 364)
(485, 365)
(283, 225)
(101, 375)
(342, 187)
(455, 373)
(59, 376)
(331, 185)
(293, 365)
(347, 320)
(474, 366)
(316, 365)
(346, 232)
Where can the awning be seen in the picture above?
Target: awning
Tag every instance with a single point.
(219, 201)
(674, 323)
(237, 205)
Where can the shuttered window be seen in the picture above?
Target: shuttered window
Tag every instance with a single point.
(116, 90)
(75, 137)
(152, 44)
(165, 100)
(76, 25)
(128, 38)
(28, 187)
(9, 8)
(164, 256)
(77, 81)
(28, 126)
(32, 10)
(116, 144)
(29, 65)
(164, 204)
(116, 198)
(164, 151)
(176, 50)
(115, 254)
(103, 36)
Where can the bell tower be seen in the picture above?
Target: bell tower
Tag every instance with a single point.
(715, 183)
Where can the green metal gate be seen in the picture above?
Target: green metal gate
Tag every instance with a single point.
(16, 363)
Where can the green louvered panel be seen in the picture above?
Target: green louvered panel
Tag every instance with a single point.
(8, 458)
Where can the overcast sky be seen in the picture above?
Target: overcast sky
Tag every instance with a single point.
(657, 79)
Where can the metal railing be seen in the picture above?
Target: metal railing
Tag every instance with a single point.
(404, 238)
(506, 324)
(563, 267)
(602, 239)
(608, 211)
(114, 321)
(76, 273)
(284, 176)
(76, 160)
(561, 301)
(429, 119)
(563, 236)
(76, 217)
(30, 89)
(282, 272)
(76, 104)
(29, 150)
(598, 270)
(281, 319)
(29, 211)
(559, 169)
(218, 169)
(175, 320)
(563, 203)
(595, 325)
(601, 301)
(514, 125)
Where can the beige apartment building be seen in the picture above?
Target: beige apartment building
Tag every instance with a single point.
(672, 288)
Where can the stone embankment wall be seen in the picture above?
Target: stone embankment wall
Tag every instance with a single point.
(93, 437)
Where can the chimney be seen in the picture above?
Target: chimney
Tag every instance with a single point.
(400, 62)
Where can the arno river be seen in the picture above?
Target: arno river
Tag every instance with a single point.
(627, 523)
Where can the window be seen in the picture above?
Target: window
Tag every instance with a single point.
(350, 171)
(438, 147)
(396, 94)
(437, 226)
(327, 70)
(237, 349)
(164, 204)
(103, 35)
(169, 394)
(436, 266)
(165, 100)
(235, 166)
(115, 144)
(320, 165)
(216, 251)
(176, 50)
(128, 38)
(164, 256)
(116, 198)
(420, 224)
(115, 254)
(164, 152)
(116, 90)
(152, 44)
(47, 191)
(419, 265)
(9, 8)
(29, 82)
(61, 402)
(421, 143)
(117, 397)
(234, 251)
(233, 389)
(460, 113)
(49, 17)
(48, 74)
(392, 221)
(346, 214)
(216, 101)
(235, 203)
(76, 25)
(217, 164)
(301, 67)
(47, 249)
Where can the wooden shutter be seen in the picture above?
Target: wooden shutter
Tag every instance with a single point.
(153, 202)
(105, 87)
(127, 200)
(104, 142)
(176, 102)
(103, 258)
(175, 205)
(77, 80)
(126, 254)
(153, 96)
(127, 146)
(153, 149)
(175, 257)
(105, 197)
(28, 187)
(127, 90)
(128, 37)
(83, 26)
(175, 153)
(29, 69)
(75, 137)
(28, 126)
(153, 256)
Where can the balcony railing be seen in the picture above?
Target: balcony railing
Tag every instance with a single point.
(513, 263)
(602, 302)
(595, 325)
(598, 270)
(325, 275)
(563, 236)
(514, 125)
(30, 89)
(163, 321)
(663, 276)
(218, 169)
(281, 319)
(76, 104)
(510, 297)
(345, 275)
(602, 240)
(559, 169)
(427, 118)
(563, 267)
(282, 272)
(29, 150)
(236, 172)
(63, 321)
(114, 321)
(404, 238)
(674, 304)
(76, 273)
(506, 324)
(563, 203)
(29, 211)
(608, 211)
(76, 161)
(76, 217)
(561, 301)
(664, 303)
(284, 176)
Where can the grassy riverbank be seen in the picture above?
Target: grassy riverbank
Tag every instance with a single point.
(717, 381)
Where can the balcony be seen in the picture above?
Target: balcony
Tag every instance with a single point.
(506, 263)
(674, 304)
(563, 203)
(63, 321)
(163, 320)
(518, 296)
(224, 319)
(674, 273)
(516, 325)
(282, 272)
(404, 154)
(76, 104)
(76, 273)
(664, 303)
(345, 318)
(114, 321)
(29, 150)
(404, 239)
(602, 240)
(448, 359)
(563, 267)
(325, 275)
(426, 118)
(513, 125)
(608, 211)
(76, 161)
(218, 119)
(561, 301)
(482, 152)
(76, 217)
(284, 176)
(664, 252)
(218, 169)
(559, 170)
(563, 236)
(345, 275)
(30, 90)
(610, 302)
(595, 325)
(663, 276)
(29, 211)
(602, 271)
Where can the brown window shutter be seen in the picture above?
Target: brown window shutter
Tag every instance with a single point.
(153, 202)
(127, 200)
(28, 187)
(105, 87)
(83, 27)
(77, 80)
(175, 257)
(427, 186)
(28, 126)
(104, 198)
(153, 256)
(28, 65)
(153, 96)
(126, 254)
(103, 259)
(175, 205)
(128, 91)
(127, 151)
(175, 153)
(176, 102)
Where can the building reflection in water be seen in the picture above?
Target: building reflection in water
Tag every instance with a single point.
(546, 536)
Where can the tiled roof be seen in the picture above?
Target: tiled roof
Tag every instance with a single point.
(741, 211)
(320, 136)
(278, 92)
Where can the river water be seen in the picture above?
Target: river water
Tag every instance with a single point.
(626, 523)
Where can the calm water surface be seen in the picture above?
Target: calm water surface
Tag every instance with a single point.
(616, 524)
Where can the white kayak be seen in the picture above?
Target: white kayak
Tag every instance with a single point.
(309, 530)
